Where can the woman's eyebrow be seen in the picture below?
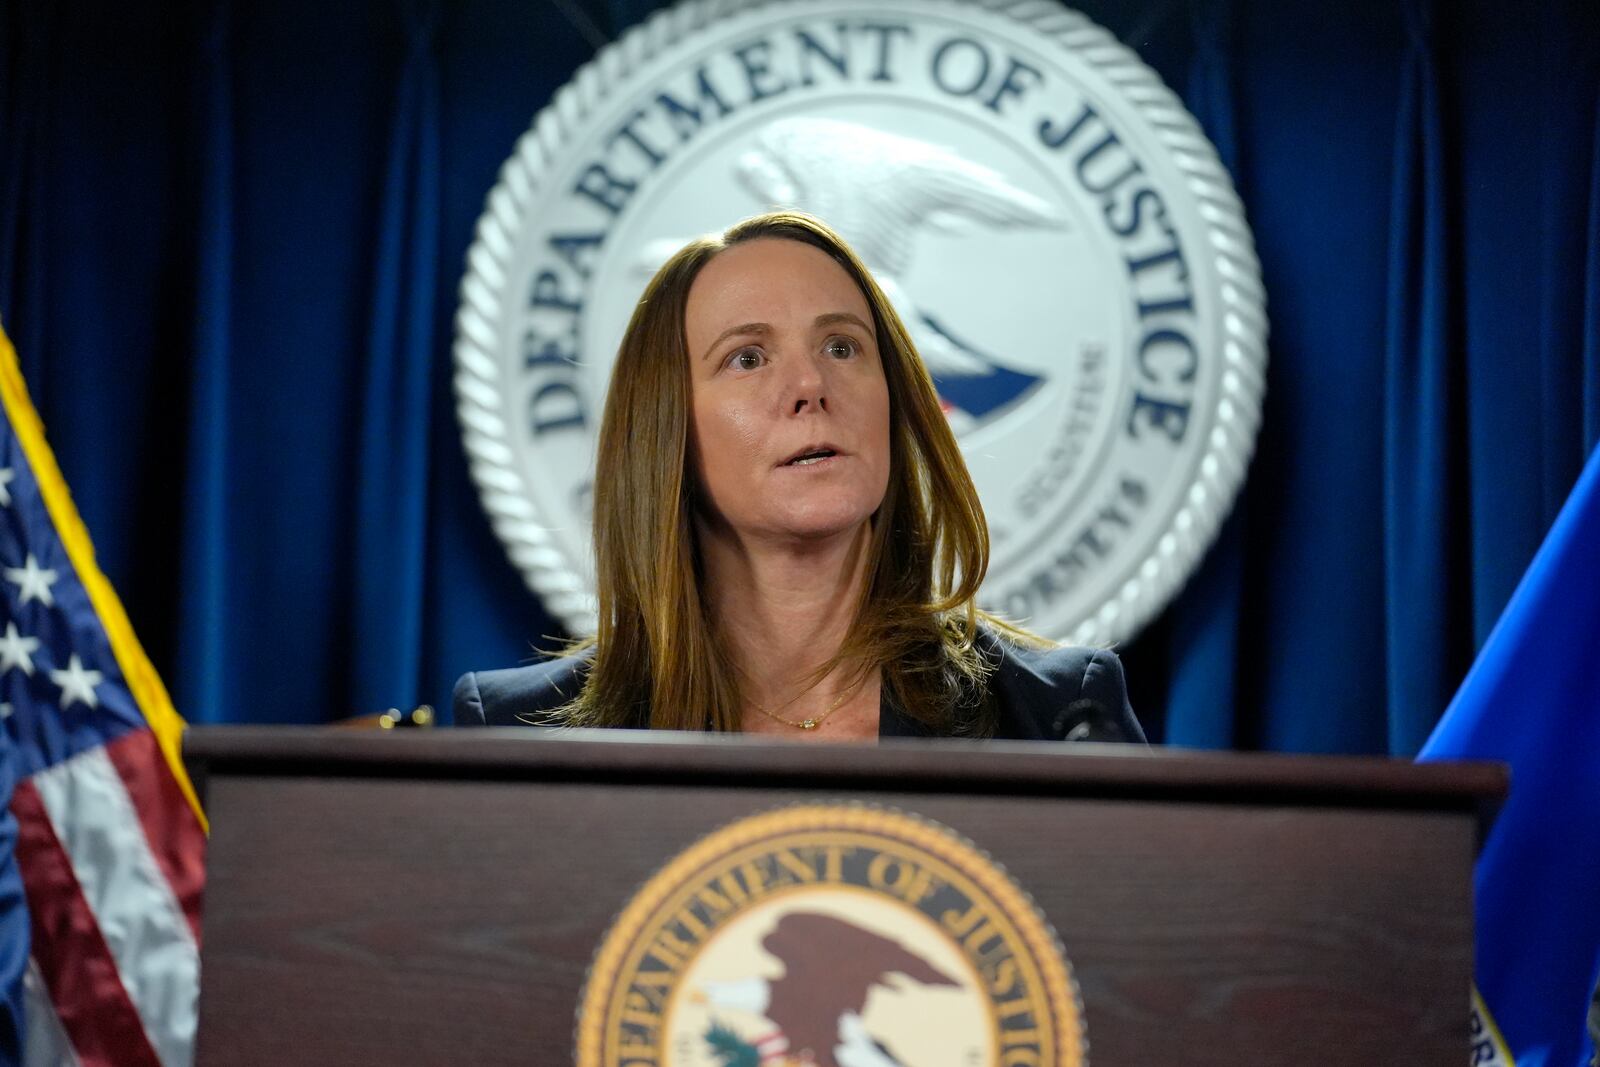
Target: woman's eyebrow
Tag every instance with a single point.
(833, 318)
(734, 331)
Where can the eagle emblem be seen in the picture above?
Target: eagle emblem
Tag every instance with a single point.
(830, 936)
(830, 965)
(883, 191)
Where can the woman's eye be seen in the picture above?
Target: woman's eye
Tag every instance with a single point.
(840, 347)
(746, 359)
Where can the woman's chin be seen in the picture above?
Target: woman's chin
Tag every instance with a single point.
(819, 526)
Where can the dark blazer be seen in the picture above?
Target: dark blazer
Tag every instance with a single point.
(1057, 694)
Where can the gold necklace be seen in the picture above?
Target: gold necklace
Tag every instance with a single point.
(816, 720)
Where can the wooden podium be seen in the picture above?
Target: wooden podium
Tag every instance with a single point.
(434, 897)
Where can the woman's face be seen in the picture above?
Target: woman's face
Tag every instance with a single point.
(790, 426)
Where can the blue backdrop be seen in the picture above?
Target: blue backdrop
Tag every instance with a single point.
(230, 236)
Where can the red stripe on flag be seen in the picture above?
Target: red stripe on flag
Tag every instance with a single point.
(73, 957)
(170, 826)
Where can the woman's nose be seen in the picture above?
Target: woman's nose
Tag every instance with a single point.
(809, 387)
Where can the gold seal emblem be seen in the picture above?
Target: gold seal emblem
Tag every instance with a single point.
(830, 936)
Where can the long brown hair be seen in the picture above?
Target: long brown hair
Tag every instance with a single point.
(657, 659)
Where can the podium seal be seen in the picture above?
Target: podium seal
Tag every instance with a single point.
(830, 936)
(1057, 234)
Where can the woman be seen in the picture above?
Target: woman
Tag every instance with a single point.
(787, 540)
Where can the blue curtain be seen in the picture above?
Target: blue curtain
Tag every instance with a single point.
(391, 522)
(1588, 383)
(1420, 184)
(1425, 634)
(204, 572)
(1203, 655)
(231, 234)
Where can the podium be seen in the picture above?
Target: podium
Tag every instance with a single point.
(431, 897)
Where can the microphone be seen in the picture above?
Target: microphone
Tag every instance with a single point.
(1086, 719)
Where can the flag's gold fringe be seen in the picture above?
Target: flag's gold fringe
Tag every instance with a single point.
(143, 681)
(1502, 1051)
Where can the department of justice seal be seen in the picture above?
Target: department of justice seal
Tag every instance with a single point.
(1058, 235)
(830, 936)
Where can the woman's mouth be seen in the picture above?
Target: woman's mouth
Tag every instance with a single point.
(806, 459)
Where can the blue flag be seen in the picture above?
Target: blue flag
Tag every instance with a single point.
(1532, 699)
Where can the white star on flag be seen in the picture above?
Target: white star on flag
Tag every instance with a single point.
(33, 581)
(77, 684)
(16, 650)
(5, 711)
(6, 474)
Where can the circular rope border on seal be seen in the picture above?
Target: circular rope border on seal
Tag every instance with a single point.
(1223, 461)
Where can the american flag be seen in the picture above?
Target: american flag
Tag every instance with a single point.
(109, 834)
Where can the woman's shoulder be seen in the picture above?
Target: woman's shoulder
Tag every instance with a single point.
(518, 696)
(1045, 663)
(1064, 692)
